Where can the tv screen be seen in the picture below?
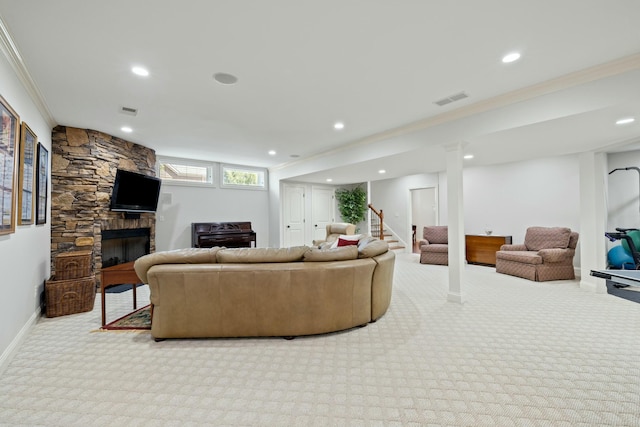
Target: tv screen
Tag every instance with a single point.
(135, 192)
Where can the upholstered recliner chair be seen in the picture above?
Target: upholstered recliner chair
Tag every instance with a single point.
(336, 229)
(434, 247)
(547, 254)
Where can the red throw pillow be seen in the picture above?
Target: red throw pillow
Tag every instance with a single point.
(343, 242)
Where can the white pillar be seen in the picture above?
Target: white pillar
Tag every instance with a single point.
(593, 219)
(455, 222)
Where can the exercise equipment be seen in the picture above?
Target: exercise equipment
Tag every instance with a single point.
(628, 237)
(620, 278)
(618, 257)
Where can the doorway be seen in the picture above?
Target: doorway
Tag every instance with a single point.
(424, 212)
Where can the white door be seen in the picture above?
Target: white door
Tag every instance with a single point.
(322, 211)
(424, 207)
(293, 215)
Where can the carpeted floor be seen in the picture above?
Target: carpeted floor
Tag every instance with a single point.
(516, 353)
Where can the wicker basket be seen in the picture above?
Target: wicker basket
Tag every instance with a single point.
(72, 265)
(70, 296)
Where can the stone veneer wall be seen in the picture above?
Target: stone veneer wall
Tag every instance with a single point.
(83, 169)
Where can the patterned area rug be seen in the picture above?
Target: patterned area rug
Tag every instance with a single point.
(137, 320)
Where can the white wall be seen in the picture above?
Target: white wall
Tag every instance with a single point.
(508, 198)
(25, 254)
(179, 206)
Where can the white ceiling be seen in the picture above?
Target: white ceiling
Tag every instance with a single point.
(376, 65)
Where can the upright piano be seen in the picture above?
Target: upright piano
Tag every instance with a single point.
(228, 234)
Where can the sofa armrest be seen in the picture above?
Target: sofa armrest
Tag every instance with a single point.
(423, 242)
(556, 255)
(520, 247)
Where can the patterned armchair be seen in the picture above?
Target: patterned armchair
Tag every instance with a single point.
(547, 254)
(434, 247)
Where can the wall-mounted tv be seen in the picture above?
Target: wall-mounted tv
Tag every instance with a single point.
(135, 192)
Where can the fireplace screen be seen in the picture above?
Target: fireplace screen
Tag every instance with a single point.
(120, 246)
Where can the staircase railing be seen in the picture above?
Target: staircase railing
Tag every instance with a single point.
(377, 223)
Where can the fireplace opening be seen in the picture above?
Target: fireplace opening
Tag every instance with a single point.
(120, 246)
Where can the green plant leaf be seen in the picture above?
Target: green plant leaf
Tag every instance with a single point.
(352, 204)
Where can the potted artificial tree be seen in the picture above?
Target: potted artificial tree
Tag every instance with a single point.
(352, 204)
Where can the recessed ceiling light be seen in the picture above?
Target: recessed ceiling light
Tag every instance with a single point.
(625, 121)
(225, 78)
(382, 171)
(126, 129)
(513, 56)
(272, 152)
(140, 71)
(329, 180)
(468, 156)
(338, 125)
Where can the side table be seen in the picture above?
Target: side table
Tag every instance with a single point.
(481, 249)
(118, 275)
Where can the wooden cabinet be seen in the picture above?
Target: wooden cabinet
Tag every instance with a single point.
(481, 249)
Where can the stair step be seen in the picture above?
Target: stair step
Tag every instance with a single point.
(395, 247)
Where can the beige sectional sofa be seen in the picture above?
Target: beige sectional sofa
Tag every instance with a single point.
(254, 292)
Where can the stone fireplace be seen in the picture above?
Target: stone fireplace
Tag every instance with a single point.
(83, 168)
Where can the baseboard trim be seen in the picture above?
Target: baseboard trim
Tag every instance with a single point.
(10, 352)
(455, 297)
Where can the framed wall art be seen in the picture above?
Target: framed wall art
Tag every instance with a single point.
(27, 185)
(42, 184)
(8, 166)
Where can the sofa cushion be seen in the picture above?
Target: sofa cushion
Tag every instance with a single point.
(364, 241)
(373, 248)
(436, 248)
(257, 255)
(337, 254)
(177, 256)
(524, 257)
(537, 238)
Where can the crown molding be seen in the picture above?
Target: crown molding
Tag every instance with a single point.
(10, 51)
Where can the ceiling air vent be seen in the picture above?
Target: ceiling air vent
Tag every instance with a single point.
(128, 110)
(452, 98)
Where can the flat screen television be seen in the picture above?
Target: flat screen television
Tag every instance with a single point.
(135, 192)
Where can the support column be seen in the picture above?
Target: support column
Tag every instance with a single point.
(593, 219)
(455, 222)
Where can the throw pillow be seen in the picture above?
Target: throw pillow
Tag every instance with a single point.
(374, 248)
(345, 242)
(355, 237)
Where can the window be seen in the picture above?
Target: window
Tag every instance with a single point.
(185, 171)
(243, 177)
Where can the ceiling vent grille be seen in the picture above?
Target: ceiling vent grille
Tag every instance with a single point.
(452, 98)
(128, 110)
